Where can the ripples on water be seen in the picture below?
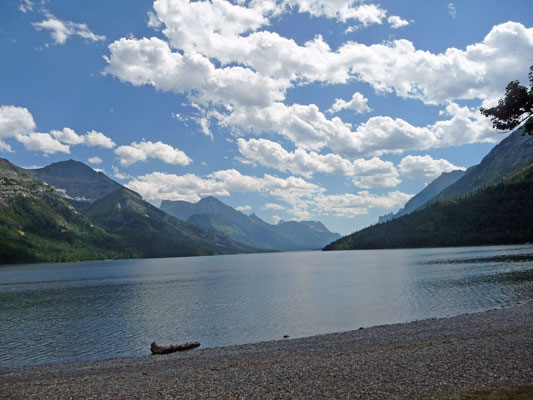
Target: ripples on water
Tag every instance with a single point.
(92, 310)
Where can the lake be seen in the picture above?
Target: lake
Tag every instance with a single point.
(81, 311)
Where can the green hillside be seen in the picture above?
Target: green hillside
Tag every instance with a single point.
(36, 225)
(500, 214)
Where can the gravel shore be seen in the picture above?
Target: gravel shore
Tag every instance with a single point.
(429, 359)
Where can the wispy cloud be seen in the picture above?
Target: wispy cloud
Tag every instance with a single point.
(452, 10)
(62, 30)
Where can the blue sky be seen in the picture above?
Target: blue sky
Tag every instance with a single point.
(337, 111)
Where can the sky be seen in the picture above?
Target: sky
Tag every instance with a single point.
(338, 111)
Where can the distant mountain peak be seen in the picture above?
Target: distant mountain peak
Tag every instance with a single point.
(75, 180)
(213, 214)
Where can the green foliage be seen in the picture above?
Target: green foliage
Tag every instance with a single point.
(500, 214)
(514, 108)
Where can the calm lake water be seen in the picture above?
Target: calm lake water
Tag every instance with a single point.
(102, 309)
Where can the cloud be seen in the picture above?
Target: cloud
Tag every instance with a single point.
(42, 142)
(95, 160)
(425, 168)
(451, 10)
(397, 22)
(62, 30)
(243, 208)
(161, 186)
(91, 138)
(310, 129)
(364, 173)
(304, 198)
(5, 147)
(15, 121)
(358, 103)
(67, 136)
(351, 205)
(144, 150)
(272, 206)
(98, 139)
(119, 175)
(152, 62)
(238, 78)
(18, 123)
(25, 6)
(480, 71)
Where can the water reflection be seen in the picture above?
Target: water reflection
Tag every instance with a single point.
(111, 309)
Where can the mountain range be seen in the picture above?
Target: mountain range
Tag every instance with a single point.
(490, 203)
(38, 222)
(211, 213)
(67, 211)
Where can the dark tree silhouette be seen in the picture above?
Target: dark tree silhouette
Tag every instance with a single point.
(514, 108)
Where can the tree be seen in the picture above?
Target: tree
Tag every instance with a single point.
(514, 108)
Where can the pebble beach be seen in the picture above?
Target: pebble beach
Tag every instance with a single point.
(429, 359)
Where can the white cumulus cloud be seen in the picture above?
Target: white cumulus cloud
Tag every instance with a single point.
(425, 168)
(95, 160)
(397, 22)
(351, 205)
(364, 173)
(43, 142)
(68, 136)
(15, 121)
(144, 150)
(91, 138)
(272, 206)
(358, 104)
(98, 139)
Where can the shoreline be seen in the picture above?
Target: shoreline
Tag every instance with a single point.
(432, 358)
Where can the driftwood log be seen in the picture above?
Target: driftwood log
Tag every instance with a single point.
(156, 349)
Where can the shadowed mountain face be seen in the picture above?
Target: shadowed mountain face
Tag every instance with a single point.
(152, 232)
(511, 155)
(212, 214)
(499, 214)
(75, 181)
(429, 192)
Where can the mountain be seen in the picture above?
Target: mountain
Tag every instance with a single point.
(213, 214)
(152, 232)
(499, 214)
(429, 192)
(76, 182)
(306, 234)
(37, 225)
(511, 155)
